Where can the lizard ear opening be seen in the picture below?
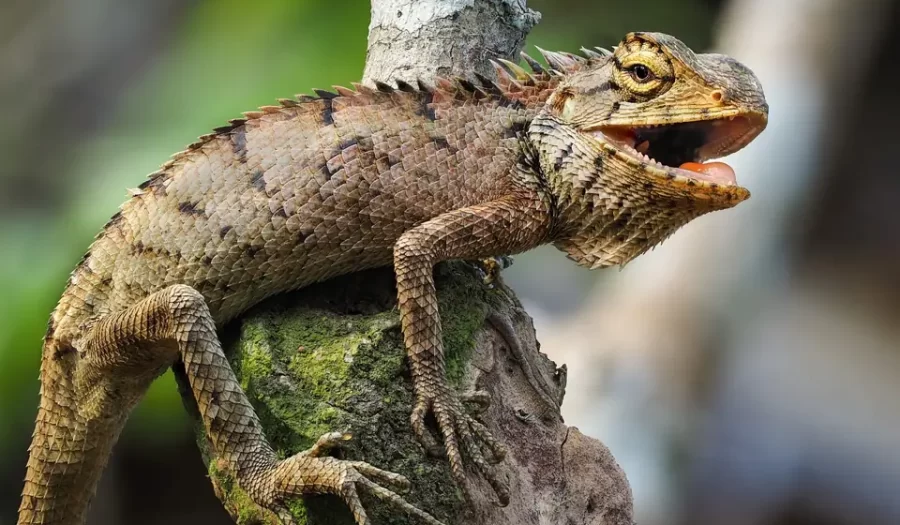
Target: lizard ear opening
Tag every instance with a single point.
(561, 103)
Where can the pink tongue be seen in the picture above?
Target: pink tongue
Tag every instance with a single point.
(717, 172)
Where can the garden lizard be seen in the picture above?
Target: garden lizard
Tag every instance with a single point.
(603, 156)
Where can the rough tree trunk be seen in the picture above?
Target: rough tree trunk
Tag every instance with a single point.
(331, 356)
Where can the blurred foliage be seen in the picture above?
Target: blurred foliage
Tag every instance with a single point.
(228, 56)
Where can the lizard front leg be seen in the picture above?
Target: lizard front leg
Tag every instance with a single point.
(176, 322)
(504, 226)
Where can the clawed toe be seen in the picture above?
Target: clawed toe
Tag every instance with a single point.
(423, 433)
(383, 477)
(310, 473)
(463, 434)
(327, 442)
(395, 500)
(475, 454)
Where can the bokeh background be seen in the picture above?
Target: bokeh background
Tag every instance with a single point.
(747, 372)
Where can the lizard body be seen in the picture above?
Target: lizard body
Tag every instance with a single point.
(322, 186)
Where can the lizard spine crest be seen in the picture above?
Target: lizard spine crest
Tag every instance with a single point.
(513, 82)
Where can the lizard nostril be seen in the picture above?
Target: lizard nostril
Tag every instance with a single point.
(718, 96)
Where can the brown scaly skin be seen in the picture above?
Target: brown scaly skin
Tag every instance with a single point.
(319, 187)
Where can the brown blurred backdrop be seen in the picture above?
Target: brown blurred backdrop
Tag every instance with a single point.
(747, 372)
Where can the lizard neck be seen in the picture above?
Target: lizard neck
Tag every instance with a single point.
(605, 212)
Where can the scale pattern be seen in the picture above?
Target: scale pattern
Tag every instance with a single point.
(321, 186)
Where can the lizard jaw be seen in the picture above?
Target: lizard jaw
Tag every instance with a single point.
(680, 150)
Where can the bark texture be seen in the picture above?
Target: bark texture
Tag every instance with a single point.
(331, 357)
(412, 39)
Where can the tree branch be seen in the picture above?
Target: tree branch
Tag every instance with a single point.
(412, 39)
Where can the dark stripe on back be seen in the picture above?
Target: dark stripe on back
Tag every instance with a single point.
(190, 208)
(327, 112)
(257, 181)
(239, 144)
(425, 109)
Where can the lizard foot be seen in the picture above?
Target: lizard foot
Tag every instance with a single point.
(311, 472)
(460, 431)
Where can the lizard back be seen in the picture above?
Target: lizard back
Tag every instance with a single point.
(298, 193)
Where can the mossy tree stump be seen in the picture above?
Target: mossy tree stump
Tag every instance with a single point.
(331, 357)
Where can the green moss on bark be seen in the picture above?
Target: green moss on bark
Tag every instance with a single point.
(331, 357)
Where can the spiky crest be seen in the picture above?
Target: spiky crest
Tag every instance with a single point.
(513, 81)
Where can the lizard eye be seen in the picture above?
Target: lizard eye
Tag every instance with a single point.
(642, 69)
(640, 73)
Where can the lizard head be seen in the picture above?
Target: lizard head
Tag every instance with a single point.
(630, 134)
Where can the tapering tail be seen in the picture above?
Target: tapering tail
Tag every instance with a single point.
(67, 454)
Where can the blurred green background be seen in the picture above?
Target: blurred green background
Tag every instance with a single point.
(95, 94)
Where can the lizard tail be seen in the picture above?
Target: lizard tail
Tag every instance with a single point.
(66, 456)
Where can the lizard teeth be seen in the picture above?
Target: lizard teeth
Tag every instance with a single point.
(638, 152)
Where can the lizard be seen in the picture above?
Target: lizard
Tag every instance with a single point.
(603, 155)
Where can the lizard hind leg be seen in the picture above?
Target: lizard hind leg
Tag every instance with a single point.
(126, 351)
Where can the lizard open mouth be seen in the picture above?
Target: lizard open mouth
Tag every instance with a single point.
(681, 150)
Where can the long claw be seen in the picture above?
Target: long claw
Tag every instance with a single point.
(303, 474)
(392, 498)
(457, 469)
(498, 451)
(473, 450)
(423, 433)
(463, 434)
(326, 443)
(351, 498)
(380, 476)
